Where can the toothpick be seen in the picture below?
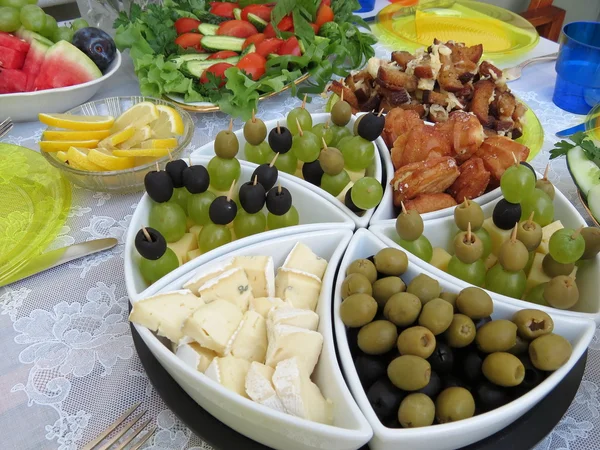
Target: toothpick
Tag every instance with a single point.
(300, 132)
(515, 159)
(546, 172)
(380, 112)
(157, 168)
(230, 124)
(513, 235)
(324, 143)
(530, 219)
(273, 160)
(469, 236)
(278, 128)
(253, 116)
(342, 96)
(466, 202)
(577, 232)
(403, 208)
(190, 160)
(230, 193)
(146, 234)
(255, 180)
(304, 101)
(279, 188)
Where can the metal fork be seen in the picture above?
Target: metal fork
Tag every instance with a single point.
(5, 126)
(112, 442)
(514, 73)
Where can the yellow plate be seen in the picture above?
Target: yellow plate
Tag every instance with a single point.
(35, 203)
(503, 33)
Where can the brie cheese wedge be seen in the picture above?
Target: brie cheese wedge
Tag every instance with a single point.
(213, 325)
(229, 372)
(166, 313)
(260, 272)
(302, 318)
(232, 286)
(300, 289)
(202, 276)
(286, 342)
(263, 305)
(260, 388)
(302, 258)
(195, 356)
(299, 395)
(250, 339)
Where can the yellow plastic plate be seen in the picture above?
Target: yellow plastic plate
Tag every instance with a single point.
(503, 33)
(35, 202)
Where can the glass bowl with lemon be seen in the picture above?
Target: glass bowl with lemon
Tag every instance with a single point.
(110, 144)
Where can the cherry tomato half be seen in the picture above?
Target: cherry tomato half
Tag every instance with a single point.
(223, 54)
(262, 11)
(218, 70)
(315, 27)
(324, 14)
(254, 39)
(190, 40)
(290, 46)
(269, 46)
(253, 64)
(237, 28)
(326, 2)
(186, 24)
(223, 9)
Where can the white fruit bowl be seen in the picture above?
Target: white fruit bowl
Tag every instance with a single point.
(375, 170)
(454, 435)
(441, 231)
(25, 106)
(315, 213)
(269, 427)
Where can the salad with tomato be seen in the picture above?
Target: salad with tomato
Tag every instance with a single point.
(231, 53)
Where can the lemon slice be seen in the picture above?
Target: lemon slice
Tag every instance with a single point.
(159, 143)
(141, 134)
(78, 157)
(55, 146)
(117, 138)
(168, 124)
(62, 156)
(137, 116)
(79, 123)
(64, 135)
(156, 152)
(108, 161)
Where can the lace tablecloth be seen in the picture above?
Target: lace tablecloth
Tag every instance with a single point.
(68, 367)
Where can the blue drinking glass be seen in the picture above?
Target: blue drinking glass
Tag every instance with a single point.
(577, 87)
(366, 6)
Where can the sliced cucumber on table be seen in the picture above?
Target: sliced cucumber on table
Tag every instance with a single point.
(585, 173)
(216, 43)
(257, 22)
(180, 59)
(196, 68)
(208, 29)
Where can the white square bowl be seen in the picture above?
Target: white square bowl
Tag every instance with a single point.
(454, 435)
(260, 423)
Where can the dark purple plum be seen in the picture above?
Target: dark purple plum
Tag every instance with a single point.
(97, 44)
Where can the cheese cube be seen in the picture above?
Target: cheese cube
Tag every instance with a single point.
(193, 254)
(260, 272)
(230, 372)
(286, 341)
(166, 313)
(250, 339)
(263, 305)
(203, 275)
(537, 275)
(300, 289)
(299, 395)
(232, 286)
(184, 245)
(260, 388)
(342, 195)
(195, 356)
(303, 259)
(302, 318)
(213, 325)
(195, 230)
(440, 258)
(547, 233)
(497, 235)
(356, 175)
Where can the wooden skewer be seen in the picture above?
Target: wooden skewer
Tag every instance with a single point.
(157, 168)
(300, 132)
(278, 128)
(146, 234)
(515, 159)
(273, 160)
(279, 188)
(404, 211)
(513, 235)
(530, 220)
(380, 112)
(253, 116)
(230, 193)
(577, 232)
(342, 96)
(466, 202)
(546, 172)
(230, 124)
(469, 235)
(190, 160)
(255, 180)
(304, 101)
(324, 143)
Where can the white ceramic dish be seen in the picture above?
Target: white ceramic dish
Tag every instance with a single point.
(375, 170)
(441, 231)
(25, 106)
(455, 435)
(280, 431)
(315, 214)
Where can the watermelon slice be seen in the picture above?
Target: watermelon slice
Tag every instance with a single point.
(33, 62)
(10, 41)
(29, 36)
(11, 59)
(65, 65)
(12, 80)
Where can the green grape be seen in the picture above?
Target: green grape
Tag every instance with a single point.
(473, 273)
(153, 270)
(334, 184)
(511, 284)
(14, 3)
(338, 133)
(213, 236)
(63, 34)
(323, 131)
(358, 153)
(50, 27)
(306, 146)
(223, 172)
(536, 295)
(198, 206)
(9, 19)
(33, 18)
(259, 154)
(486, 240)
(529, 262)
(289, 219)
(366, 193)
(420, 247)
(287, 162)
(246, 224)
(541, 205)
(345, 139)
(304, 118)
(517, 183)
(181, 196)
(566, 246)
(169, 219)
(78, 24)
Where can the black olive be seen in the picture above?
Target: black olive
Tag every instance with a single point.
(529, 166)
(450, 380)
(506, 214)
(279, 200)
(222, 210)
(252, 197)
(371, 258)
(152, 248)
(196, 179)
(159, 186)
(267, 175)
(385, 398)
(313, 172)
(442, 358)
(533, 376)
(175, 170)
(471, 367)
(369, 368)
(481, 322)
(488, 396)
(391, 422)
(280, 139)
(371, 126)
(434, 386)
(352, 334)
(350, 204)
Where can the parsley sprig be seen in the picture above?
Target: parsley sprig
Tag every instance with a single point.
(580, 139)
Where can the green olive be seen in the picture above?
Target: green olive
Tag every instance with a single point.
(364, 267)
(378, 337)
(402, 309)
(475, 303)
(496, 336)
(453, 404)
(468, 250)
(461, 331)
(544, 185)
(591, 235)
(331, 160)
(468, 212)
(356, 124)
(226, 144)
(384, 288)
(409, 372)
(530, 234)
(549, 352)
(255, 131)
(391, 261)
(416, 410)
(358, 310)
(341, 113)
(424, 287)
(356, 283)
(450, 297)
(513, 255)
(417, 341)
(561, 292)
(532, 323)
(409, 225)
(503, 369)
(553, 268)
(436, 315)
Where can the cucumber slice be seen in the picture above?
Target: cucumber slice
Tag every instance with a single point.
(302, 47)
(593, 200)
(585, 173)
(237, 13)
(250, 49)
(216, 43)
(257, 22)
(195, 69)
(180, 59)
(208, 29)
